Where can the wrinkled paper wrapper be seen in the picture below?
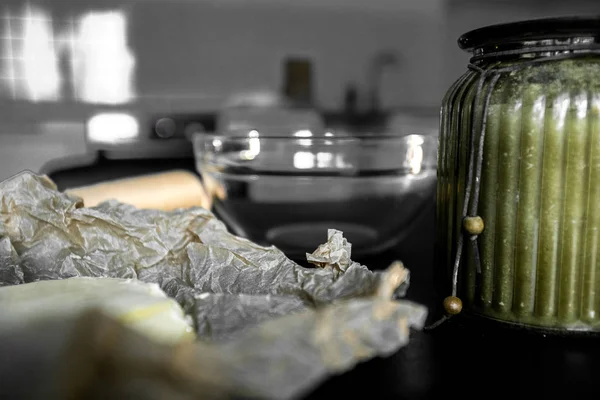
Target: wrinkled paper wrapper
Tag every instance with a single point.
(275, 328)
(335, 253)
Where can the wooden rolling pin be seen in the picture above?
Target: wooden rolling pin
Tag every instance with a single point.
(163, 191)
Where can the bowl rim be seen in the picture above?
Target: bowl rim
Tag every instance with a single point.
(333, 138)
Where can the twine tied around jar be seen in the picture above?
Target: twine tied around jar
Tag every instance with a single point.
(472, 224)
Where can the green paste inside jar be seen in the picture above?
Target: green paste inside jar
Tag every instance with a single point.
(539, 197)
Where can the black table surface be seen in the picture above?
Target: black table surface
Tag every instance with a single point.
(456, 360)
(469, 358)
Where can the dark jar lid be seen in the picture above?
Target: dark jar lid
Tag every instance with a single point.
(532, 30)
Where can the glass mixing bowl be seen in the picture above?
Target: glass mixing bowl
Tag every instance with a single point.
(288, 189)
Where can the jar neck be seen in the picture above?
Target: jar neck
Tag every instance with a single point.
(534, 49)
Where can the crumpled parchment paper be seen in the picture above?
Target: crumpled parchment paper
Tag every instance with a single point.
(336, 252)
(280, 328)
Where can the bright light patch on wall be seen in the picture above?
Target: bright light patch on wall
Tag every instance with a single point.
(30, 61)
(112, 128)
(103, 64)
(8, 67)
(38, 58)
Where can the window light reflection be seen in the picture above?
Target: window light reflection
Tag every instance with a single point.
(414, 155)
(38, 58)
(324, 160)
(30, 61)
(254, 146)
(94, 45)
(304, 160)
(303, 133)
(102, 62)
(308, 160)
(340, 163)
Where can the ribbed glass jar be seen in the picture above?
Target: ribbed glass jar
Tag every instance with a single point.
(528, 112)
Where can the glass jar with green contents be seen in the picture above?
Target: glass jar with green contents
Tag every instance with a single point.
(518, 213)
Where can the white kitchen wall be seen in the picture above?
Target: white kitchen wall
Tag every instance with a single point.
(215, 49)
(206, 50)
(201, 51)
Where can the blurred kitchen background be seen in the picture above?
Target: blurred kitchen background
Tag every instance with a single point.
(88, 81)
